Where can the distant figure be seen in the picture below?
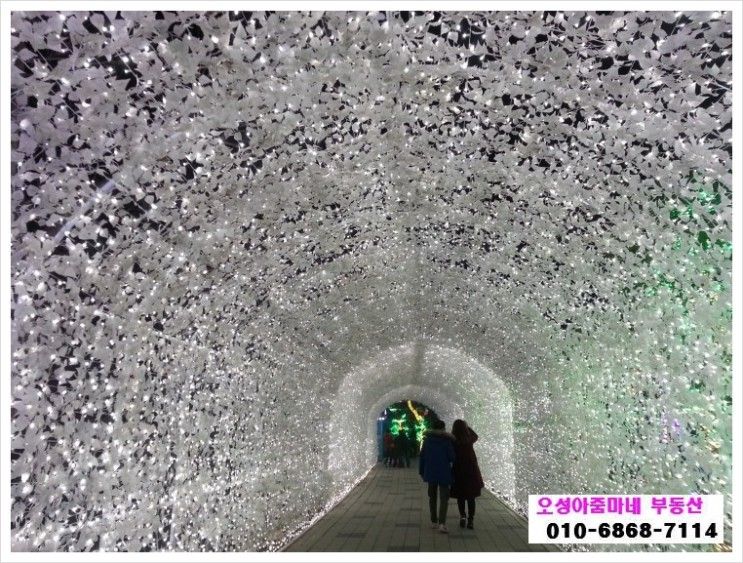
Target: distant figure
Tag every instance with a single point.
(389, 448)
(467, 477)
(402, 453)
(436, 458)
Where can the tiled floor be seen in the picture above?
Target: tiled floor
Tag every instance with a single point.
(388, 511)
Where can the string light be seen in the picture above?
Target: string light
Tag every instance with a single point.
(233, 247)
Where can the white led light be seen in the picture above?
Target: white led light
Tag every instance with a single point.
(227, 262)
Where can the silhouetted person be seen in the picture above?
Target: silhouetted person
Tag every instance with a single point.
(389, 448)
(436, 458)
(468, 481)
(402, 452)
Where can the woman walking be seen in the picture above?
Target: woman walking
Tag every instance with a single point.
(467, 477)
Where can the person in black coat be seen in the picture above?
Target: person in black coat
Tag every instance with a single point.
(402, 451)
(434, 466)
(389, 449)
(468, 481)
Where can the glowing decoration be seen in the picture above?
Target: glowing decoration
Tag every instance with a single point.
(420, 428)
(398, 425)
(412, 427)
(417, 416)
(231, 229)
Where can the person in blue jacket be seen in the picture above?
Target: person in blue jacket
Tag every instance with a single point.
(436, 458)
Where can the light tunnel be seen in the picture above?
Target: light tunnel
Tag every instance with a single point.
(237, 236)
(424, 372)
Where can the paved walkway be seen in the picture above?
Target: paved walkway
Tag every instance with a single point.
(388, 511)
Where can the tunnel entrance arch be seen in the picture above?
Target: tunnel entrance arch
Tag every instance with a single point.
(444, 378)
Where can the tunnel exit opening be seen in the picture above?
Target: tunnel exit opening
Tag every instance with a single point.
(402, 425)
(446, 380)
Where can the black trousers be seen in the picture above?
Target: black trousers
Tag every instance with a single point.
(443, 493)
(470, 507)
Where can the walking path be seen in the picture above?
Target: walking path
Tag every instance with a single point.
(388, 511)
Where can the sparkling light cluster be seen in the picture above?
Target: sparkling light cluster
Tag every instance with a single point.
(238, 236)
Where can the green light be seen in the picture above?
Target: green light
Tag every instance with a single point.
(703, 239)
(420, 427)
(397, 425)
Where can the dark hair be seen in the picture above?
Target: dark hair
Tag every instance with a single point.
(459, 429)
(439, 424)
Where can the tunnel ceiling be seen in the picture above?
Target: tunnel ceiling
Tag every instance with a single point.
(422, 170)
